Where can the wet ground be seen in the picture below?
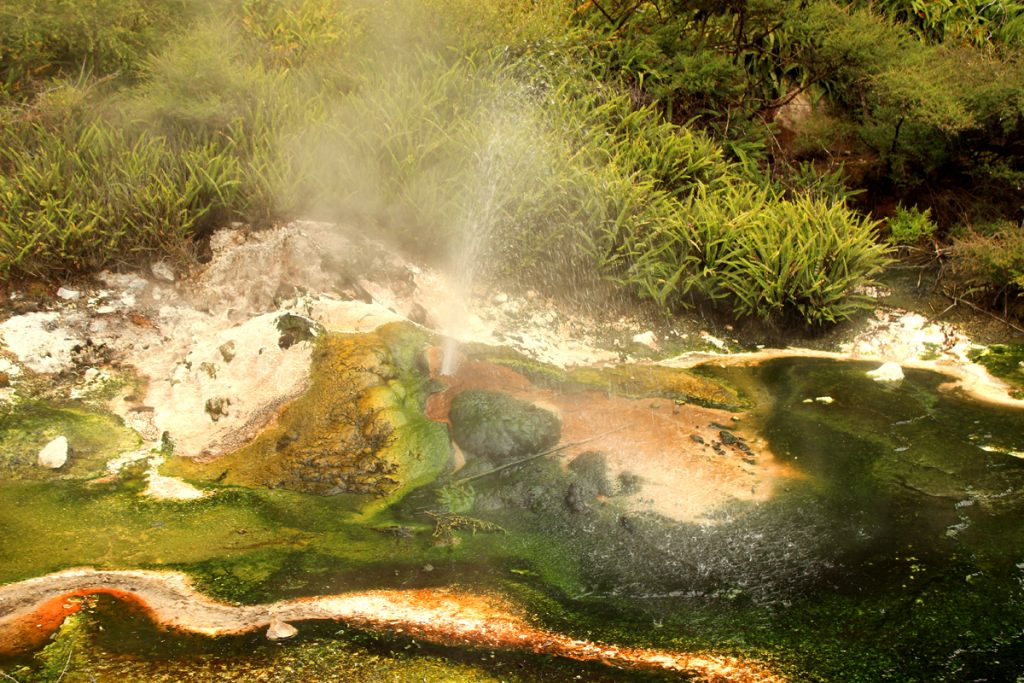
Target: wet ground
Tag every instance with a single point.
(894, 551)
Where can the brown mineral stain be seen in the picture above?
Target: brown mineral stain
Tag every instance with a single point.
(649, 438)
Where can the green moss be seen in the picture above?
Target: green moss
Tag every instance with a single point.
(500, 427)
(94, 437)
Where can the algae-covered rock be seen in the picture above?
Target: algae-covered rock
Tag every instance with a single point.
(499, 426)
(647, 381)
(360, 427)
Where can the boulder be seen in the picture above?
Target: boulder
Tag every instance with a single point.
(54, 454)
(887, 372)
(280, 630)
(501, 427)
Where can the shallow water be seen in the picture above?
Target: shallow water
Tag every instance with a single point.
(897, 554)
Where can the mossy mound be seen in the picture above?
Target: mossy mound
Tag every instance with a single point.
(94, 437)
(359, 429)
(501, 427)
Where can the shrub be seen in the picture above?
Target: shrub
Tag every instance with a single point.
(44, 39)
(991, 263)
(911, 226)
(798, 261)
(88, 195)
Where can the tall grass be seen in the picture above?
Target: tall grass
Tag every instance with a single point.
(83, 196)
(267, 110)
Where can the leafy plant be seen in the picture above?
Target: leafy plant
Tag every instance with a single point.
(992, 262)
(910, 226)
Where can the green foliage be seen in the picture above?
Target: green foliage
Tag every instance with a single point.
(910, 226)
(86, 195)
(799, 260)
(290, 33)
(973, 22)
(43, 39)
(560, 150)
(928, 87)
(992, 261)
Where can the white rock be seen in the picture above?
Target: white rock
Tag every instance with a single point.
(500, 298)
(41, 341)
(280, 630)
(714, 341)
(162, 487)
(69, 294)
(260, 378)
(824, 399)
(887, 372)
(647, 338)
(54, 454)
(9, 368)
(162, 271)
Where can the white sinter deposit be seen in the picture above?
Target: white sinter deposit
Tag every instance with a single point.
(216, 368)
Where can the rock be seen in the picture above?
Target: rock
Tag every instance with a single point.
(217, 407)
(296, 328)
(280, 630)
(498, 426)
(419, 315)
(54, 454)
(500, 298)
(824, 399)
(162, 271)
(228, 350)
(697, 438)
(592, 469)
(69, 294)
(42, 341)
(647, 339)
(574, 499)
(728, 438)
(162, 487)
(887, 372)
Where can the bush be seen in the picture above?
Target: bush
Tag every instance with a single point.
(797, 261)
(87, 195)
(991, 263)
(45, 39)
(512, 153)
(911, 226)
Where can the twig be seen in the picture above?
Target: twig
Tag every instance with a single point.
(71, 651)
(464, 480)
(9, 677)
(957, 300)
